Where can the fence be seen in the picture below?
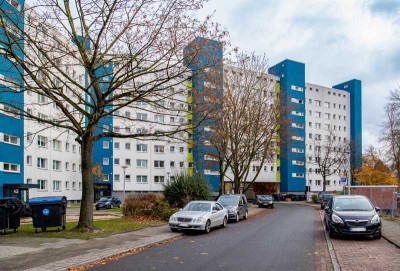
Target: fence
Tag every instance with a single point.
(383, 196)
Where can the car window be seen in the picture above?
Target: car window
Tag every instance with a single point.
(104, 199)
(198, 207)
(352, 204)
(228, 201)
(219, 206)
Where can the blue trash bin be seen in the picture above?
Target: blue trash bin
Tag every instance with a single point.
(49, 212)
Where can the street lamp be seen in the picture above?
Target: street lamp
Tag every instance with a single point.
(124, 169)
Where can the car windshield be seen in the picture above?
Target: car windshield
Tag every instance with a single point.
(352, 204)
(229, 201)
(198, 207)
(104, 199)
(268, 197)
(327, 196)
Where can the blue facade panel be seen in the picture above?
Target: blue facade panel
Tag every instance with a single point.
(12, 97)
(354, 88)
(291, 73)
(200, 54)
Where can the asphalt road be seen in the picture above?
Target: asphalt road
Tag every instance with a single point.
(279, 239)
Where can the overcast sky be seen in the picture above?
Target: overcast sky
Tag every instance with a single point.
(337, 40)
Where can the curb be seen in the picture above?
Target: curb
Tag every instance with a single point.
(393, 243)
(331, 250)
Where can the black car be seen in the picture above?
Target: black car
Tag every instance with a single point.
(256, 199)
(266, 201)
(236, 204)
(352, 215)
(108, 203)
(325, 199)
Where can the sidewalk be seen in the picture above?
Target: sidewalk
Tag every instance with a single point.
(391, 231)
(36, 253)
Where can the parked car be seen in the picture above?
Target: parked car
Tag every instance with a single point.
(108, 203)
(236, 204)
(199, 215)
(256, 199)
(352, 215)
(266, 201)
(324, 199)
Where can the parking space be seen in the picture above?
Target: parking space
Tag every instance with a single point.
(365, 254)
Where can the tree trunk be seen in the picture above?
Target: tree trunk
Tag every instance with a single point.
(86, 212)
(221, 178)
(323, 183)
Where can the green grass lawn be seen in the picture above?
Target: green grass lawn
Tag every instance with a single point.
(107, 228)
(113, 210)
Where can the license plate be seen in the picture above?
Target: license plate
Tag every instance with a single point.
(358, 229)
(185, 225)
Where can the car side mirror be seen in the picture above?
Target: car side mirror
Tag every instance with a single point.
(241, 204)
(377, 209)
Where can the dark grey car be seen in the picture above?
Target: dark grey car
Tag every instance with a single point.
(236, 204)
(352, 215)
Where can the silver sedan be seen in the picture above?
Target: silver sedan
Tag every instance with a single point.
(199, 215)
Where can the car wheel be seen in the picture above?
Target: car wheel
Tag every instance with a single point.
(378, 236)
(331, 234)
(246, 215)
(174, 230)
(207, 227)
(224, 222)
(237, 218)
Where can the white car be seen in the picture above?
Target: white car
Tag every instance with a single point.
(199, 215)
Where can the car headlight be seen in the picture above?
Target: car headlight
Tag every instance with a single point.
(198, 220)
(337, 219)
(173, 218)
(375, 219)
(231, 211)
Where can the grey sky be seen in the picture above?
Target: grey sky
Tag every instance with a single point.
(338, 40)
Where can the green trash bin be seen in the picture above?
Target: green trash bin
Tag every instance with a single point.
(48, 212)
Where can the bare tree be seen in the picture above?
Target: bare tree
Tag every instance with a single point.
(89, 59)
(391, 131)
(330, 156)
(246, 133)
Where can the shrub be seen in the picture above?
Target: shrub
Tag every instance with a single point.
(150, 205)
(186, 188)
(314, 198)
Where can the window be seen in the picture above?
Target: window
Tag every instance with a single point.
(297, 101)
(256, 168)
(317, 103)
(73, 185)
(172, 164)
(309, 101)
(42, 141)
(327, 104)
(56, 185)
(116, 129)
(127, 114)
(298, 150)
(181, 164)
(116, 177)
(67, 166)
(127, 178)
(159, 118)
(318, 125)
(29, 137)
(56, 145)
(106, 161)
(317, 114)
(141, 147)
(181, 149)
(73, 167)
(327, 116)
(158, 164)
(41, 98)
(172, 119)
(171, 148)
(42, 163)
(106, 145)
(141, 116)
(141, 163)
(127, 130)
(67, 147)
(42, 184)
(127, 146)
(127, 162)
(159, 179)
(10, 139)
(74, 148)
(141, 179)
(29, 160)
(116, 145)
(80, 185)
(56, 165)
(116, 161)
(67, 185)
(8, 167)
(159, 149)
(29, 181)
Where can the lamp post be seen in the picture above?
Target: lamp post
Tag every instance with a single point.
(124, 169)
